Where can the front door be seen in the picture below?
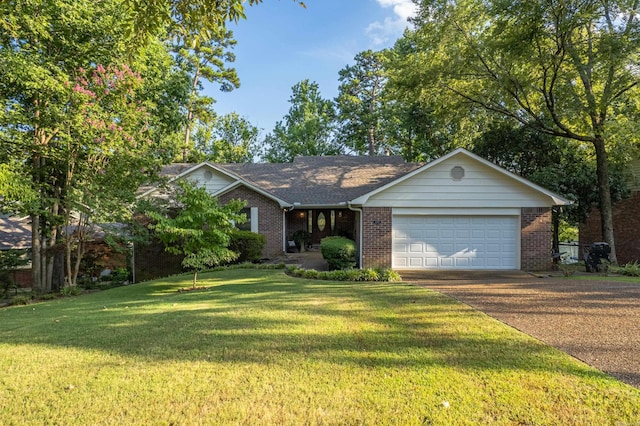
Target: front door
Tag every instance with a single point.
(320, 225)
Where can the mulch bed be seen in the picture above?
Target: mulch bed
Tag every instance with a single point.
(597, 322)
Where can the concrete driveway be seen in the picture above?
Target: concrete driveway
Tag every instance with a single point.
(597, 322)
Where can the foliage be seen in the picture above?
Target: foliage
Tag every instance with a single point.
(10, 261)
(302, 238)
(248, 245)
(360, 103)
(71, 116)
(367, 274)
(201, 230)
(71, 291)
(20, 300)
(339, 252)
(307, 129)
(631, 269)
(228, 139)
(203, 60)
(199, 17)
(568, 71)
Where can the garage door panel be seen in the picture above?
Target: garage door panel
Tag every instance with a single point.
(464, 242)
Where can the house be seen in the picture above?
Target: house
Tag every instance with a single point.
(457, 212)
(626, 222)
(15, 234)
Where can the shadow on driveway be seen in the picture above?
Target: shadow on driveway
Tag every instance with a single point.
(596, 321)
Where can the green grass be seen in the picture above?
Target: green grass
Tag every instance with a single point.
(258, 347)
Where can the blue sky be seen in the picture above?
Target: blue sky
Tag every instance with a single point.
(281, 43)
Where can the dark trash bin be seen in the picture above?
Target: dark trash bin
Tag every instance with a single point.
(594, 254)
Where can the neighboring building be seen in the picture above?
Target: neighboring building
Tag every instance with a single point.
(626, 222)
(15, 234)
(457, 212)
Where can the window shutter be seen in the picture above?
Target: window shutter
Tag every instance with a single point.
(254, 219)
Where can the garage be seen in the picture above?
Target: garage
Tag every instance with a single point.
(456, 242)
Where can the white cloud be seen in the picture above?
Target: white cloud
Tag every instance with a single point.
(404, 9)
(392, 27)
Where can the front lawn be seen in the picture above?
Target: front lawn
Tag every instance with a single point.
(258, 347)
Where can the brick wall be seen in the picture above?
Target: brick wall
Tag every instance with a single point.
(626, 229)
(536, 239)
(269, 218)
(376, 250)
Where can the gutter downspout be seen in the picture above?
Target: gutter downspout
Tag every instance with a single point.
(360, 218)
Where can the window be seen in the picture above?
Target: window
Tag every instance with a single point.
(252, 220)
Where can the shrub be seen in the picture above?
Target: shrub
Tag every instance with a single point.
(630, 269)
(339, 252)
(71, 291)
(20, 300)
(390, 275)
(248, 245)
(310, 273)
(369, 275)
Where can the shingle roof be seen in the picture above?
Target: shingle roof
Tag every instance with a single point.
(15, 233)
(325, 180)
(317, 180)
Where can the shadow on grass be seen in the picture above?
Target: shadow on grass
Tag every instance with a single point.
(267, 317)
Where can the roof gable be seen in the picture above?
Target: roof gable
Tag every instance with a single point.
(484, 183)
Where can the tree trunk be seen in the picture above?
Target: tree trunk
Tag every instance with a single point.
(372, 141)
(36, 252)
(195, 278)
(604, 192)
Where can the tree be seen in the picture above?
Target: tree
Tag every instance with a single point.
(568, 69)
(199, 17)
(360, 103)
(77, 130)
(201, 229)
(308, 128)
(203, 59)
(229, 139)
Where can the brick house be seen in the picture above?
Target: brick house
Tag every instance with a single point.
(626, 222)
(457, 212)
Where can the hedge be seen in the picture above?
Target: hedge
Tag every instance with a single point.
(248, 245)
(339, 252)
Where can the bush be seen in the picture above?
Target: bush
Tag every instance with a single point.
(339, 252)
(20, 300)
(630, 269)
(345, 274)
(71, 291)
(248, 245)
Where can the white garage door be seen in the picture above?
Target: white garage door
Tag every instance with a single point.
(455, 242)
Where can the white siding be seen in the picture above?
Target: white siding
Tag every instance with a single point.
(481, 187)
(211, 179)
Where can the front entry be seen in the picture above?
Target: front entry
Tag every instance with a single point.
(321, 223)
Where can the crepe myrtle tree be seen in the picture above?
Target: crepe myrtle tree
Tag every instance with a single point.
(201, 230)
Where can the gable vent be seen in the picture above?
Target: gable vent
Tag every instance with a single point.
(457, 173)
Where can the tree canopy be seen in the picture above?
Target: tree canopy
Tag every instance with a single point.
(567, 69)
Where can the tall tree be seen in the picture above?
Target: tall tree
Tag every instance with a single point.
(204, 60)
(77, 128)
(229, 139)
(308, 128)
(360, 103)
(565, 68)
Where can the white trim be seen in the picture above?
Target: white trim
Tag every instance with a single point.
(555, 198)
(426, 211)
